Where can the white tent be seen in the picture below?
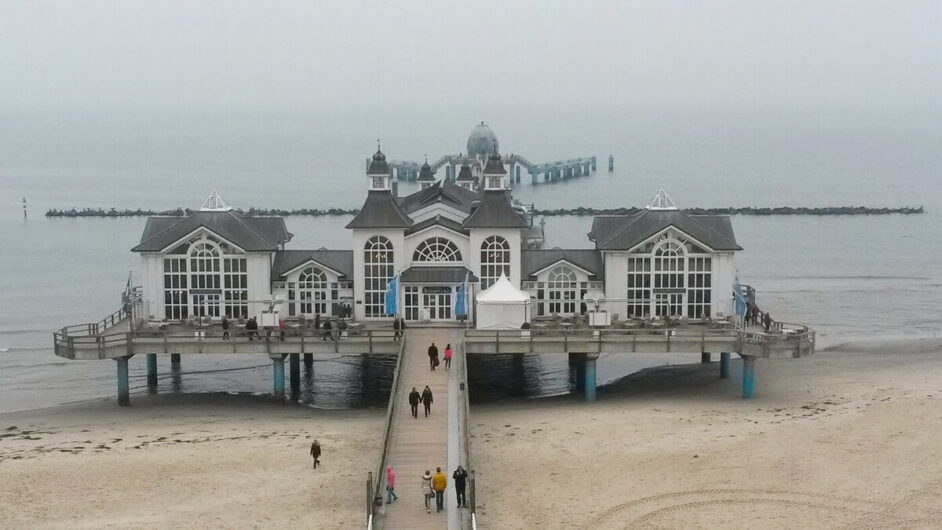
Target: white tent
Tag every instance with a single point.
(502, 306)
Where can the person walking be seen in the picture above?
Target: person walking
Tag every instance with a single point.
(225, 327)
(448, 357)
(439, 482)
(327, 331)
(767, 321)
(390, 486)
(427, 400)
(316, 452)
(461, 477)
(414, 402)
(317, 321)
(397, 329)
(427, 490)
(433, 356)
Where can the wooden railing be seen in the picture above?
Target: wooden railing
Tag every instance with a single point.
(783, 333)
(391, 408)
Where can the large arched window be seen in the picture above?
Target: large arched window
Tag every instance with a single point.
(670, 277)
(378, 266)
(437, 250)
(312, 291)
(495, 260)
(205, 279)
(562, 288)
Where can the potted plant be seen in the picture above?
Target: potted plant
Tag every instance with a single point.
(525, 330)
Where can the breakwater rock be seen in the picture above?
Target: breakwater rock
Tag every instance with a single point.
(581, 210)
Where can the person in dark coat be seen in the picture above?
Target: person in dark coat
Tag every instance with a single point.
(433, 356)
(397, 328)
(767, 321)
(461, 477)
(327, 331)
(414, 402)
(252, 328)
(316, 452)
(427, 400)
(317, 321)
(225, 327)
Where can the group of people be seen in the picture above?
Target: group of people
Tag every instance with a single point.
(758, 318)
(433, 356)
(433, 486)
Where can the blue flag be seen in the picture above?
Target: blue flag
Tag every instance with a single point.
(461, 304)
(392, 291)
(738, 298)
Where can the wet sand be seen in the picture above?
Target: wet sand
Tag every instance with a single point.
(208, 461)
(846, 438)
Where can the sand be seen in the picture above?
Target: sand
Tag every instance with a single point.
(848, 438)
(208, 461)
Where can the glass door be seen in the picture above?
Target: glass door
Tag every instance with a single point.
(669, 305)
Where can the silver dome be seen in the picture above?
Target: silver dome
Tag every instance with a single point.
(482, 141)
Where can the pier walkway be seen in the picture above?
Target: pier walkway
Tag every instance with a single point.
(420, 444)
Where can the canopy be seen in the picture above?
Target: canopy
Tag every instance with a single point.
(502, 306)
(502, 292)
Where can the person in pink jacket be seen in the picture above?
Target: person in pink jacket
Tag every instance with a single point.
(390, 485)
(448, 357)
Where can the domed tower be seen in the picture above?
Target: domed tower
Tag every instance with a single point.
(494, 172)
(426, 177)
(378, 174)
(482, 142)
(465, 178)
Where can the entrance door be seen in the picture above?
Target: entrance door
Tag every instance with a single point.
(438, 305)
(669, 304)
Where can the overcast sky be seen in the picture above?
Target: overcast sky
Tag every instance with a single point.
(605, 55)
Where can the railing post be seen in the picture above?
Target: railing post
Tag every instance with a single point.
(497, 343)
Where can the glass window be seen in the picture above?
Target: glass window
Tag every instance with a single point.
(495, 260)
(378, 270)
(437, 250)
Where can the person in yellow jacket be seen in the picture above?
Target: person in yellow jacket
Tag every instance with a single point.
(439, 483)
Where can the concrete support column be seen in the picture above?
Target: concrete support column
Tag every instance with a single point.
(295, 363)
(308, 360)
(724, 365)
(151, 369)
(124, 389)
(175, 361)
(706, 357)
(590, 378)
(748, 377)
(278, 373)
(580, 372)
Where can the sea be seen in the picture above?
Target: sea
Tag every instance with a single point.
(849, 277)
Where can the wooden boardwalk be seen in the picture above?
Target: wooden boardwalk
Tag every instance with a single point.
(421, 444)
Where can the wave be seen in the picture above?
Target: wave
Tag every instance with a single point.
(21, 331)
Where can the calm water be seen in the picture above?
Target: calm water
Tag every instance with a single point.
(846, 276)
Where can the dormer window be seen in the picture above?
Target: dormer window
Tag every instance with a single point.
(494, 183)
(426, 185)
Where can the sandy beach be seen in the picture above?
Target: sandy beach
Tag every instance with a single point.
(207, 461)
(848, 438)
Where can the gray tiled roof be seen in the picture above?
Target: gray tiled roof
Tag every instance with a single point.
(494, 166)
(380, 211)
(247, 232)
(425, 174)
(378, 165)
(436, 275)
(495, 211)
(464, 175)
(533, 261)
(622, 232)
(443, 192)
(338, 260)
(439, 221)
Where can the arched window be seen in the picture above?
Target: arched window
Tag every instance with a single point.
(669, 266)
(562, 289)
(312, 291)
(495, 260)
(437, 250)
(205, 279)
(378, 266)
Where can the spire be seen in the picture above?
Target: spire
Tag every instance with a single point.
(661, 202)
(215, 203)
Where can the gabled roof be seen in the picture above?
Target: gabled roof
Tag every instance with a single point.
(495, 211)
(454, 274)
(622, 232)
(287, 260)
(533, 261)
(380, 211)
(438, 220)
(246, 232)
(440, 192)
